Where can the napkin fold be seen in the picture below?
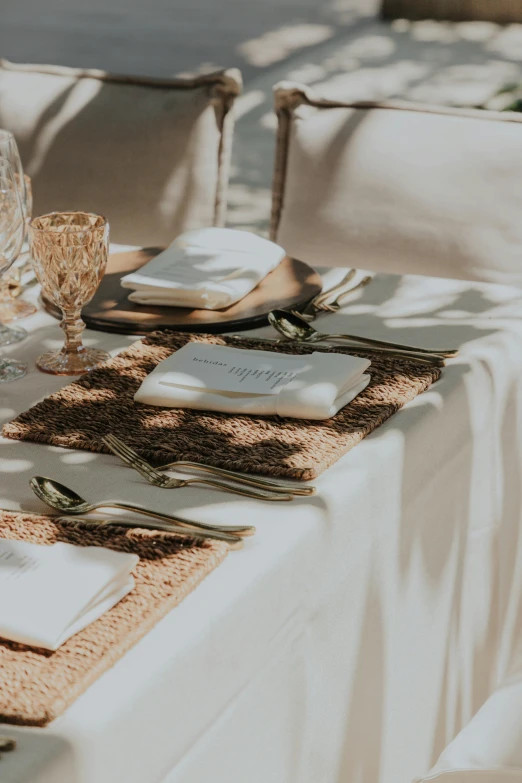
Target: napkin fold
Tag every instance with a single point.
(52, 592)
(206, 269)
(257, 383)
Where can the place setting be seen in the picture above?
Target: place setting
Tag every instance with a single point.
(261, 392)
(192, 404)
(213, 397)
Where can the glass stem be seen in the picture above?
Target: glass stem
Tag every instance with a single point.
(73, 327)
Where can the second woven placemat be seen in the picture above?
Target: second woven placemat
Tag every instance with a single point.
(80, 414)
(38, 685)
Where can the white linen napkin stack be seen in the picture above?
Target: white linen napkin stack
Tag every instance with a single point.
(207, 269)
(260, 383)
(49, 593)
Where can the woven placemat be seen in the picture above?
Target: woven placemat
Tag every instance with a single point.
(37, 685)
(79, 414)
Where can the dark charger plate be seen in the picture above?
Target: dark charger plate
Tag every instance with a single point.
(292, 284)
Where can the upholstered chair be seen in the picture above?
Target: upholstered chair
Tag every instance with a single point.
(152, 155)
(398, 187)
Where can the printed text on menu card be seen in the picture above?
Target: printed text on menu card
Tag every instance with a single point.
(229, 369)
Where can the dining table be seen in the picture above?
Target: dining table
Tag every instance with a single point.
(362, 627)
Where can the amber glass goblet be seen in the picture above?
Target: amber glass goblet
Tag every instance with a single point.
(69, 251)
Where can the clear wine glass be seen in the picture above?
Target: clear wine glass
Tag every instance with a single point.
(69, 252)
(12, 233)
(11, 308)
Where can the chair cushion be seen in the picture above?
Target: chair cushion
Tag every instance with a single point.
(489, 748)
(152, 155)
(399, 187)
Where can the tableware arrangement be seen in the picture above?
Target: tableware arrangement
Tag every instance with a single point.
(288, 382)
(12, 231)
(155, 475)
(80, 414)
(69, 251)
(216, 277)
(37, 686)
(297, 329)
(290, 284)
(65, 500)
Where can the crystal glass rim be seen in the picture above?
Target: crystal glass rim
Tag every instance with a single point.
(66, 228)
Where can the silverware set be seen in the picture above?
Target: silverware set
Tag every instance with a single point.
(295, 326)
(69, 503)
(265, 489)
(296, 329)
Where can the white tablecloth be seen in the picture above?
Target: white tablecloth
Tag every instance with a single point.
(359, 630)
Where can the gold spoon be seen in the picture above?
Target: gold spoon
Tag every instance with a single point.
(295, 328)
(63, 499)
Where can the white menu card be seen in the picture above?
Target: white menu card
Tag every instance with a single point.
(262, 383)
(49, 593)
(228, 369)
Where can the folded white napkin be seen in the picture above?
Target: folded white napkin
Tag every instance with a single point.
(260, 383)
(52, 592)
(207, 269)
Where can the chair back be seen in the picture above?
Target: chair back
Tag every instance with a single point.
(398, 187)
(151, 155)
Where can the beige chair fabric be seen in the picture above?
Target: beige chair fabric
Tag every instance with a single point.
(399, 187)
(152, 155)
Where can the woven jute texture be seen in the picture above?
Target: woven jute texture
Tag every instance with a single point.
(37, 685)
(79, 415)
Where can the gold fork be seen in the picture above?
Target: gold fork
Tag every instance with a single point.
(128, 455)
(153, 476)
(316, 304)
(336, 305)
